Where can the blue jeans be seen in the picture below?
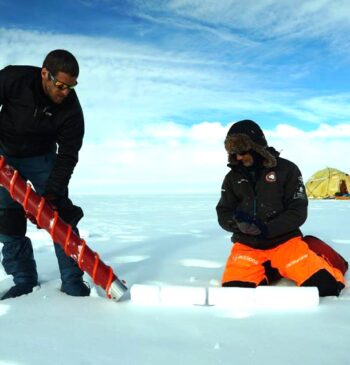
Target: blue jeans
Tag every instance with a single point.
(17, 253)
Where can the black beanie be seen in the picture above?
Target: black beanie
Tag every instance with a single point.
(250, 129)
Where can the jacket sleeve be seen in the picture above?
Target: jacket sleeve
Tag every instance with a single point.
(3, 84)
(69, 140)
(226, 207)
(295, 206)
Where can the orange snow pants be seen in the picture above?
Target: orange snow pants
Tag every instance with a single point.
(293, 259)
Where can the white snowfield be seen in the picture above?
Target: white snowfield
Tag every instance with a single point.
(172, 252)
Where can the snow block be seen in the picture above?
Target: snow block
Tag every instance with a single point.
(277, 297)
(145, 294)
(183, 295)
(262, 297)
(231, 297)
(168, 295)
(266, 297)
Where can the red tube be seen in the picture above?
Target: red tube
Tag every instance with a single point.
(61, 232)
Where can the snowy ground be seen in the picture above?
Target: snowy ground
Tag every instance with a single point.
(168, 240)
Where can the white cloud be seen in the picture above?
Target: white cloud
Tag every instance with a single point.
(333, 107)
(141, 160)
(133, 94)
(313, 150)
(124, 85)
(270, 18)
(194, 160)
(263, 30)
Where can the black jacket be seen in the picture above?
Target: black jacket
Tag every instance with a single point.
(31, 124)
(276, 200)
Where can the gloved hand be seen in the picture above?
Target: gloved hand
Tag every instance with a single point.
(249, 228)
(69, 212)
(249, 225)
(52, 200)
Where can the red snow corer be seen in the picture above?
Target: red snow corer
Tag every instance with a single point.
(61, 232)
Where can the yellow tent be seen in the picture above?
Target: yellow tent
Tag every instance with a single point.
(328, 183)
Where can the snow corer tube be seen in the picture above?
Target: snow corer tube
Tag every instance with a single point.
(61, 232)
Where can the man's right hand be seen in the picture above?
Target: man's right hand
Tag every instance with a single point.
(248, 228)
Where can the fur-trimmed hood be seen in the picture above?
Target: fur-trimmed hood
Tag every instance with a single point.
(236, 143)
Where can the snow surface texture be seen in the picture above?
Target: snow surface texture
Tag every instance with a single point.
(164, 241)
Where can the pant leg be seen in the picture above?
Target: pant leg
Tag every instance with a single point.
(244, 267)
(297, 262)
(17, 252)
(18, 259)
(38, 173)
(69, 269)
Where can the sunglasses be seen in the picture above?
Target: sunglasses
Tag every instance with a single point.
(241, 153)
(59, 84)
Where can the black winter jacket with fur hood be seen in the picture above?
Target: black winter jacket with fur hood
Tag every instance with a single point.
(276, 200)
(31, 124)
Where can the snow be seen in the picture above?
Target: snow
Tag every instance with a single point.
(168, 240)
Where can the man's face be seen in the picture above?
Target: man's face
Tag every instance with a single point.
(57, 87)
(246, 159)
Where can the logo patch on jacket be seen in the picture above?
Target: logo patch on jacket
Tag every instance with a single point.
(300, 192)
(271, 176)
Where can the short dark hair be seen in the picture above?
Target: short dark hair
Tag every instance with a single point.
(61, 60)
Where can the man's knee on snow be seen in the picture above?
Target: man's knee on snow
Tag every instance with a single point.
(326, 284)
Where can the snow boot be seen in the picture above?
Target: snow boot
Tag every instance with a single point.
(78, 288)
(71, 275)
(18, 290)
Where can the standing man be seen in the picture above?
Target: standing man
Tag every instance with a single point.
(263, 202)
(41, 133)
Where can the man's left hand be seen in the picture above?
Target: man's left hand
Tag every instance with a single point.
(51, 200)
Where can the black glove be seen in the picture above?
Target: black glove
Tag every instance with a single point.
(249, 225)
(69, 212)
(52, 200)
(248, 228)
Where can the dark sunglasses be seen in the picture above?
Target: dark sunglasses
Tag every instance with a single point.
(241, 153)
(61, 85)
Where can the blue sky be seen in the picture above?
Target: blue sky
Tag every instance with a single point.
(168, 78)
